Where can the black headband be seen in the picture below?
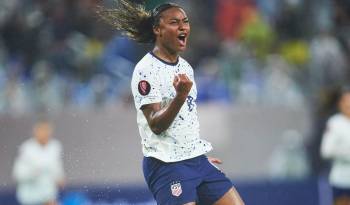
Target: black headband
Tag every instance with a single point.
(160, 8)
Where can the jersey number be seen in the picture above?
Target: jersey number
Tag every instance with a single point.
(190, 103)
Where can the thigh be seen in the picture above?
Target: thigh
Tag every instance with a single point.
(231, 197)
(211, 191)
(214, 184)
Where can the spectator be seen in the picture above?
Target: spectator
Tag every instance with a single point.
(336, 146)
(38, 169)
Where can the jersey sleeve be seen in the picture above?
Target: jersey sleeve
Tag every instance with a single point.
(333, 145)
(24, 169)
(145, 86)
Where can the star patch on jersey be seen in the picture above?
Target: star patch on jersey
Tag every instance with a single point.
(144, 87)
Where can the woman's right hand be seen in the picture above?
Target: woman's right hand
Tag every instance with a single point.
(182, 85)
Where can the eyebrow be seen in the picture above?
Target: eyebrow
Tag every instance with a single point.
(174, 18)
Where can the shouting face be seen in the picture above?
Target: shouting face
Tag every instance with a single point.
(173, 30)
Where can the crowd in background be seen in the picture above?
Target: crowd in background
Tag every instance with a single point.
(56, 54)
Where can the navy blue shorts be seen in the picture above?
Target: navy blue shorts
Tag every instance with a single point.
(192, 180)
(340, 193)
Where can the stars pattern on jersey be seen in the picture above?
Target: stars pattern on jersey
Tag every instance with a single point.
(181, 140)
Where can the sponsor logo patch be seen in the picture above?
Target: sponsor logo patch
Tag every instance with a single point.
(176, 189)
(144, 87)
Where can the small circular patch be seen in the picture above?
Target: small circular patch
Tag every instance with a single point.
(144, 87)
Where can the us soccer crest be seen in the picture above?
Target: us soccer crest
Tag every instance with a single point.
(176, 189)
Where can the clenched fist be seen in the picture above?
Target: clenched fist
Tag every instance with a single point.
(182, 85)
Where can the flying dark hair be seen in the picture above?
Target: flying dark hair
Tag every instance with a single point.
(133, 19)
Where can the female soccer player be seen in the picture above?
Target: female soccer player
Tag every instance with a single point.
(336, 146)
(175, 166)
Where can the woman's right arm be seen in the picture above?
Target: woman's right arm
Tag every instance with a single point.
(334, 147)
(159, 119)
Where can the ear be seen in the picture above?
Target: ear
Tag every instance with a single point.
(156, 30)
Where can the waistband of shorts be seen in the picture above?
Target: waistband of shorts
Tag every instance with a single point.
(200, 157)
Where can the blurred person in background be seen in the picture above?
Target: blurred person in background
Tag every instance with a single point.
(336, 147)
(175, 166)
(38, 168)
(289, 159)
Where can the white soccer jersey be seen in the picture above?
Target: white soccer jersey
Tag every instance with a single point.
(152, 82)
(336, 146)
(37, 169)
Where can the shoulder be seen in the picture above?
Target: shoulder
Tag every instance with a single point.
(56, 144)
(336, 120)
(183, 62)
(28, 143)
(145, 63)
(27, 146)
(145, 67)
(184, 65)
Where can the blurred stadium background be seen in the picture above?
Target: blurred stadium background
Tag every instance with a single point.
(267, 73)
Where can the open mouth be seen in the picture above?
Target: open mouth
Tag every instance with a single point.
(182, 38)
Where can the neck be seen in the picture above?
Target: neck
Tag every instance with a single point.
(165, 54)
(347, 115)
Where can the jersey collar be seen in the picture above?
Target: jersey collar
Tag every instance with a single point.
(163, 61)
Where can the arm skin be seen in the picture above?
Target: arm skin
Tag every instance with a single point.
(159, 119)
